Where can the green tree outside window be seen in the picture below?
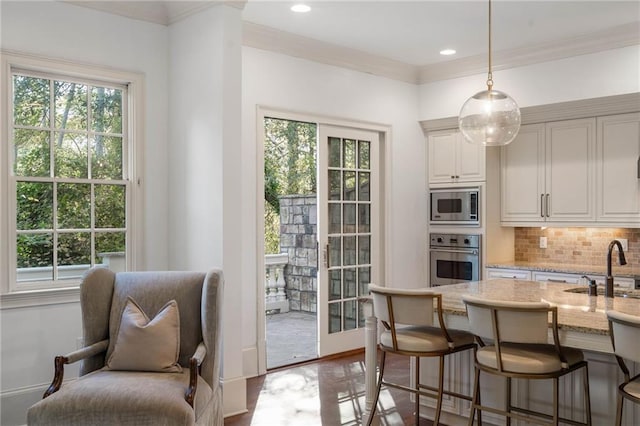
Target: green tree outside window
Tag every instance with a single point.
(67, 141)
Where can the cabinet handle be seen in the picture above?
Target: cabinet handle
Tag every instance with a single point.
(638, 167)
(457, 177)
(453, 177)
(547, 205)
(541, 205)
(553, 280)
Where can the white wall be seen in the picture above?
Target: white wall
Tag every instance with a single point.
(283, 82)
(206, 167)
(31, 337)
(212, 147)
(611, 72)
(62, 31)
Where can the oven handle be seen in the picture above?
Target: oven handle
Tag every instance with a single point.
(465, 251)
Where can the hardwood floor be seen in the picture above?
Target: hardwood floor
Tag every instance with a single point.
(327, 392)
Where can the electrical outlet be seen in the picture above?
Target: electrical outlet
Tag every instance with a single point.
(543, 242)
(624, 242)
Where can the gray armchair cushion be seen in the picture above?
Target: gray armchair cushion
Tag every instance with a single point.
(147, 345)
(152, 290)
(107, 397)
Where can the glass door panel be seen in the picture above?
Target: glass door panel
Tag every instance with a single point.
(348, 184)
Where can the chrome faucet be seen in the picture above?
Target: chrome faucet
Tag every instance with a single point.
(593, 287)
(608, 290)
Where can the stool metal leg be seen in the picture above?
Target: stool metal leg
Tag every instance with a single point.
(587, 397)
(417, 379)
(556, 414)
(508, 400)
(436, 420)
(619, 400)
(476, 397)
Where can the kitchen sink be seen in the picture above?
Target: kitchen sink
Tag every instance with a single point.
(618, 292)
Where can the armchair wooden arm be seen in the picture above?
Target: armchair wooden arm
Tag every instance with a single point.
(70, 358)
(194, 370)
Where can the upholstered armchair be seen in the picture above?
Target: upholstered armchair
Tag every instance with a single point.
(151, 355)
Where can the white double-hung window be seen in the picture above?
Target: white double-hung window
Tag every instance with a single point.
(71, 185)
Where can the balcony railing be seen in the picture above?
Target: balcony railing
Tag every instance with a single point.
(114, 261)
(275, 294)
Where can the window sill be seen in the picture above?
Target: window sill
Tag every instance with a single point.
(23, 299)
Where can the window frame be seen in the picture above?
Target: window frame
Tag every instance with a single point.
(13, 294)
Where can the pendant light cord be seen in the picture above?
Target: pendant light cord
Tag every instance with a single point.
(490, 75)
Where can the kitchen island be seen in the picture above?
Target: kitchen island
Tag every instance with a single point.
(582, 324)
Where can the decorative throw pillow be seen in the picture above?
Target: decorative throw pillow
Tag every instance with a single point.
(147, 345)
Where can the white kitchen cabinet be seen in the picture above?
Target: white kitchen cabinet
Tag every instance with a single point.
(451, 159)
(556, 277)
(560, 278)
(618, 168)
(548, 174)
(516, 274)
(522, 176)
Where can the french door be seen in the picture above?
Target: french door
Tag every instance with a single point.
(349, 224)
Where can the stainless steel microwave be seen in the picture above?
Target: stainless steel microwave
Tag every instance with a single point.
(455, 206)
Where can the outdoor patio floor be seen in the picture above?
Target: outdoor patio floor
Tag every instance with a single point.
(291, 338)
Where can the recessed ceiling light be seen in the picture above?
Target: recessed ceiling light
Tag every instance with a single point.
(300, 8)
(448, 52)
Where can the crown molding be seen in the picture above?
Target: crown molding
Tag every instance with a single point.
(583, 108)
(157, 12)
(267, 38)
(613, 38)
(175, 15)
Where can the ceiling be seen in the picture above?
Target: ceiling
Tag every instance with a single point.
(405, 37)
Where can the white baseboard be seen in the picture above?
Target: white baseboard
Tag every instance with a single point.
(234, 396)
(15, 403)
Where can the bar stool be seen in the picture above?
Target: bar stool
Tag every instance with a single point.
(513, 343)
(625, 338)
(409, 329)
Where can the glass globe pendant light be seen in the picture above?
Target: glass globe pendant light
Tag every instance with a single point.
(490, 117)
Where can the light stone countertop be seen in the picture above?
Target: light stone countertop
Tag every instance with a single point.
(576, 312)
(626, 271)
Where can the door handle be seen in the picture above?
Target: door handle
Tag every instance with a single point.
(326, 256)
(547, 205)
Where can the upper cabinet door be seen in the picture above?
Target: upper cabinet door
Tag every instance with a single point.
(570, 170)
(618, 161)
(452, 160)
(471, 161)
(441, 153)
(522, 176)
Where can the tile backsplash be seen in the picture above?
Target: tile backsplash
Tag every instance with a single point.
(581, 246)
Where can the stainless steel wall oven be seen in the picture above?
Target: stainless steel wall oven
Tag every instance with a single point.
(454, 258)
